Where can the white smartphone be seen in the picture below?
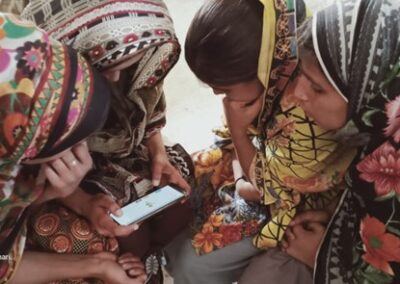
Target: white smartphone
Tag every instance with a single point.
(149, 205)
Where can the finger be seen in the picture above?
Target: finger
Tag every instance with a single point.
(284, 244)
(81, 152)
(108, 203)
(123, 231)
(156, 174)
(61, 168)
(139, 279)
(311, 216)
(136, 272)
(181, 183)
(132, 265)
(52, 176)
(128, 257)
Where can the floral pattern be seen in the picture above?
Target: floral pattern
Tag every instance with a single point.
(382, 168)
(380, 247)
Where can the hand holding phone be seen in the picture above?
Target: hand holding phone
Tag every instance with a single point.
(149, 205)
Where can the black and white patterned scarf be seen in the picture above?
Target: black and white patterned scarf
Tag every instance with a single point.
(357, 44)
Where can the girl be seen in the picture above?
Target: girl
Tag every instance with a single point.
(133, 43)
(358, 79)
(50, 101)
(250, 200)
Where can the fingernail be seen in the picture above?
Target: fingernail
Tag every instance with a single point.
(118, 213)
(135, 227)
(156, 182)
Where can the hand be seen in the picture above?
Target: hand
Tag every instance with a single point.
(65, 173)
(132, 265)
(302, 242)
(98, 213)
(240, 115)
(112, 272)
(247, 191)
(318, 216)
(164, 172)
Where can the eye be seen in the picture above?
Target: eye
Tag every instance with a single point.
(317, 89)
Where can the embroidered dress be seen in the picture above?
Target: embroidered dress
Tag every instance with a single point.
(362, 243)
(45, 98)
(293, 153)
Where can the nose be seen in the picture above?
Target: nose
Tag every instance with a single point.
(217, 92)
(112, 76)
(298, 89)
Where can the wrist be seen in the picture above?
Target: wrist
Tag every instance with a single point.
(155, 145)
(238, 131)
(96, 267)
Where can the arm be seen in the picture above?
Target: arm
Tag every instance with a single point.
(244, 188)
(239, 116)
(34, 268)
(162, 169)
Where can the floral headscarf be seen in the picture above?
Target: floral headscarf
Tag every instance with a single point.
(45, 99)
(357, 45)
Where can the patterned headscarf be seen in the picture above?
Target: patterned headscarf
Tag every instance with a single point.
(357, 45)
(278, 55)
(108, 32)
(46, 106)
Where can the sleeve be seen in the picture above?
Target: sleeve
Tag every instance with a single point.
(156, 112)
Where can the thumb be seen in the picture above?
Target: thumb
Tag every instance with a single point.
(156, 174)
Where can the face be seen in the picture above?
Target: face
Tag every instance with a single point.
(113, 72)
(317, 97)
(244, 92)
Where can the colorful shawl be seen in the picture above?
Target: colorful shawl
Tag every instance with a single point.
(357, 45)
(108, 31)
(45, 88)
(294, 152)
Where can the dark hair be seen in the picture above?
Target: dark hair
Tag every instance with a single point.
(224, 40)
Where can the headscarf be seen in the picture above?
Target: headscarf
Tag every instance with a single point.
(358, 48)
(109, 31)
(46, 106)
(295, 154)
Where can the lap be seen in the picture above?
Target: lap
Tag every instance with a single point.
(219, 267)
(275, 266)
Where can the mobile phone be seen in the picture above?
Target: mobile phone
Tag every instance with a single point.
(149, 205)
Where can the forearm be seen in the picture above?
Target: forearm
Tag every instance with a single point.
(36, 267)
(245, 150)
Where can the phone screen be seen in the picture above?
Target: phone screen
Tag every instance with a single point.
(148, 205)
